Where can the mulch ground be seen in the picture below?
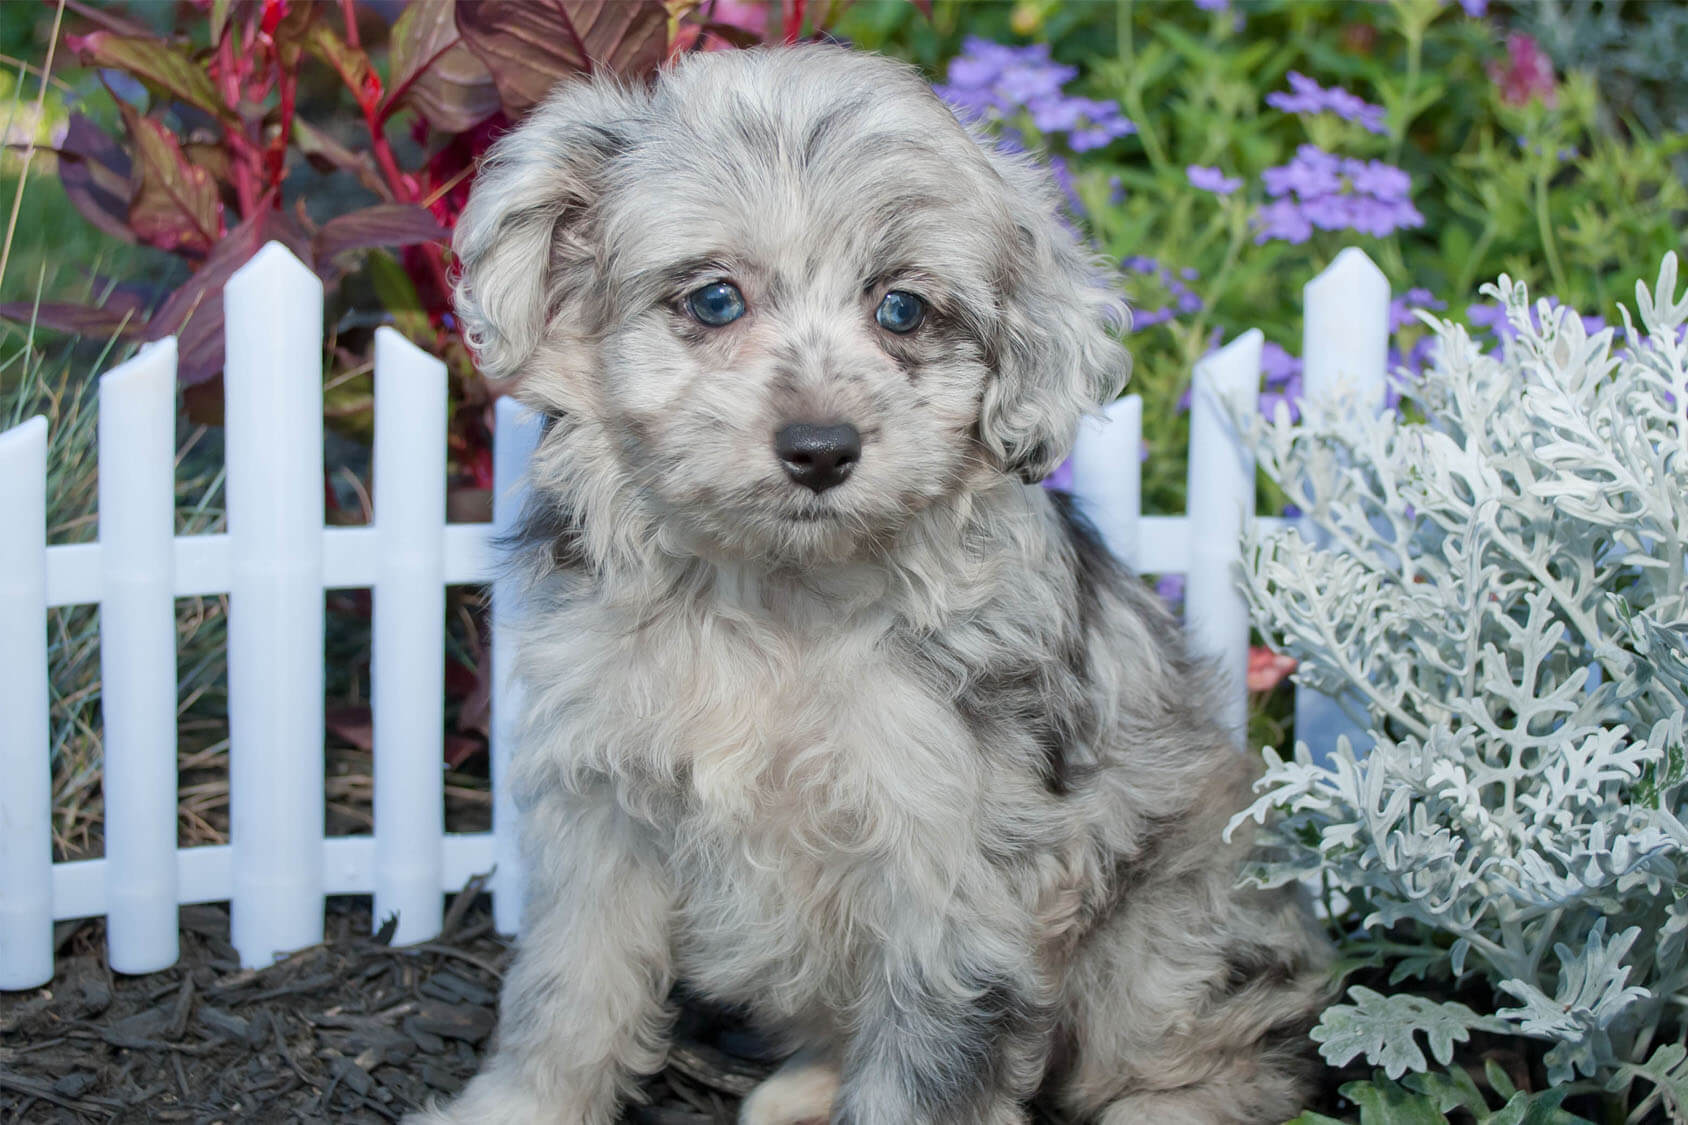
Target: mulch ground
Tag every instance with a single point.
(353, 1030)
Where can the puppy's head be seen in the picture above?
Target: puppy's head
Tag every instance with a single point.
(778, 302)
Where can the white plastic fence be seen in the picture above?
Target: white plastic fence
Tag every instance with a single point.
(277, 559)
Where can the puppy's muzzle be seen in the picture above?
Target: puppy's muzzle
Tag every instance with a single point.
(818, 457)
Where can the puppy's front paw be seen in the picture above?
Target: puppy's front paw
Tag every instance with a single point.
(489, 1100)
(799, 1093)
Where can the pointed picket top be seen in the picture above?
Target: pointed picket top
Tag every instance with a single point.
(1345, 329)
(395, 348)
(20, 443)
(272, 269)
(1232, 372)
(153, 364)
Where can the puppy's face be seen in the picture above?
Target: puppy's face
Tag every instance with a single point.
(786, 302)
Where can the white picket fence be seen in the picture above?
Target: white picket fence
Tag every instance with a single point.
(277, 559)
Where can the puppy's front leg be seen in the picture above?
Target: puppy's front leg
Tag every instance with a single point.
(583, 1009)
(955, 1031)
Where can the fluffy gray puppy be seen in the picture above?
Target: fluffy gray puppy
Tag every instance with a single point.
(830, 713)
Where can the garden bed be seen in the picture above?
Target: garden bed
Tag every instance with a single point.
(352, 1030)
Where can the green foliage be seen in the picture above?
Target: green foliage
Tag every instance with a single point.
(1551, 193)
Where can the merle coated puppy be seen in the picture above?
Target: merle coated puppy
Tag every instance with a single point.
(831, 712)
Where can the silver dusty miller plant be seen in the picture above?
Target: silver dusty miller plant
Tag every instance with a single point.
(1499, 599)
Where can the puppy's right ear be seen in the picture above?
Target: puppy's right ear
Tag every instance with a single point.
(523, 219)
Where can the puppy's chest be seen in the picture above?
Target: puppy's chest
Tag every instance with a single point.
(749, 718)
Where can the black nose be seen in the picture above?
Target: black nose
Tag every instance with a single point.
(818, 457)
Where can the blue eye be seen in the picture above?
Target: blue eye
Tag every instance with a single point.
(716, 304)
(900, 312)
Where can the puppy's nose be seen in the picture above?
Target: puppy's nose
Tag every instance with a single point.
(818, 457)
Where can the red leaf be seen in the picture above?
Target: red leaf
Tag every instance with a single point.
(433, 70)
(174, 203)
(530, 47)
(385, 224)
(194, 313)
(159, 64)
(114, 318)
(94, 171)
(353, 725)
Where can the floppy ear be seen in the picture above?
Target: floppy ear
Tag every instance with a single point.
(1053, 346)
(522, 224)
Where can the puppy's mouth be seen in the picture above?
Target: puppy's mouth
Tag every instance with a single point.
(813, 515)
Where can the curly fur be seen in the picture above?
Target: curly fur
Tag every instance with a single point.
(908, 768)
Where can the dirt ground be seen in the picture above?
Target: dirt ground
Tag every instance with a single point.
(352, 1030)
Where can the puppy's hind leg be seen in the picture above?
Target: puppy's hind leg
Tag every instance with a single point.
(800, 1092)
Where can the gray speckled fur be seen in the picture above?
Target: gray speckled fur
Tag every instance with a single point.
(908, 768)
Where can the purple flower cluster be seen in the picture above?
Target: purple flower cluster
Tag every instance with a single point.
(1307, 96)
(996, 82)
(1321, 191)
(1280, 375)
(1212, 179)
(1181, 299)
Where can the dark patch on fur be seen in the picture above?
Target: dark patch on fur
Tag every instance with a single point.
(1255, 966)
(954, 1056)
(548, 533)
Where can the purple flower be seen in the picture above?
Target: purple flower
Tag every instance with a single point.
(1307, 96)
(1312, 173)
(993, 82)
(1401, 309)
(1283, 221)
(1476, 9)
(1061, 480)
(1320, 191)
(1170, 587)
(1213, 5)
(1212, 179)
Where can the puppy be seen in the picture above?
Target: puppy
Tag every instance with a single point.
(832, 713)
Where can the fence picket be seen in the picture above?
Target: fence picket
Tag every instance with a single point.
(272, 388)
(1221, 498)
(408, 676)
(1345, 342)
(516, 435)
(137, 502)
(1108, 476)
(26, 792)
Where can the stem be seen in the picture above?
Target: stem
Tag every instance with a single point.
(1414, 32)
(1546, 228)
(348, 10)
(1474, 261)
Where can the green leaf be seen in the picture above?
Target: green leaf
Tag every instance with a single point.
(160, 65)
(1498, 1078)
(399, 297)
(1384, 1103)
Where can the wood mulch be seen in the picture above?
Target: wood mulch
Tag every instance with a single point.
(353, 1030)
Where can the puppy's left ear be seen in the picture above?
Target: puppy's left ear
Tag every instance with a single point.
(1054, 345)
